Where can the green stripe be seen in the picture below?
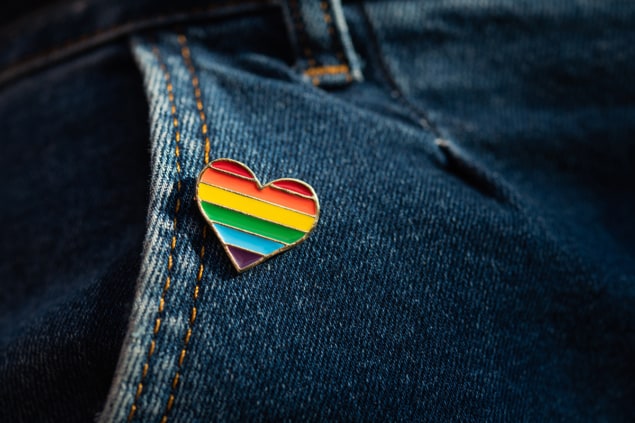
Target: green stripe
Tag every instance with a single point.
(250, 223)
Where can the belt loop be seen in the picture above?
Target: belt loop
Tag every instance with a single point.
(324, 48)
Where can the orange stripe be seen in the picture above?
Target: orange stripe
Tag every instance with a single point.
(249, 188)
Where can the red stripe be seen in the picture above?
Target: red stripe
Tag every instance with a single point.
(233, 167)
(294, 186)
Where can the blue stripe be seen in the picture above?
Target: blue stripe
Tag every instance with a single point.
(247, 241)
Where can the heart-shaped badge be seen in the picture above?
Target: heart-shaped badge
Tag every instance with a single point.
(252, 221)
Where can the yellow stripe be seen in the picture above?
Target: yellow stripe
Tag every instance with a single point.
(255, 208)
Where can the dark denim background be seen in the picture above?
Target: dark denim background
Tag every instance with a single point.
(75, 171)
(474, 257)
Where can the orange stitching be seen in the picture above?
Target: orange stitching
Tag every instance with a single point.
(185, 52)
(157, 323)
(187, 58)
(326, 14)
(314, 71)
(327, 70)
(299, 25)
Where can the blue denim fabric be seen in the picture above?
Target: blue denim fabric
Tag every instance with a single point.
(474, 255)
(74, 195)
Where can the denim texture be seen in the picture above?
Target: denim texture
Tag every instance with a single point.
(432, 283)
(74, 200)
(321, 40)
(57, 31)
(474, 255)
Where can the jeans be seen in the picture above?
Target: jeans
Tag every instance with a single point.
(473, 259)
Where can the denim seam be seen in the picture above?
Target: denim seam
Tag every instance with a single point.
(454, 161)
(418, 115)
(73, 46)
(342, 67)
(157, 324)
(186, 54)
(296, 16)
(315, 70)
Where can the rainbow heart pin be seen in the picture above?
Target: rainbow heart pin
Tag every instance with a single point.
(254, 222)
